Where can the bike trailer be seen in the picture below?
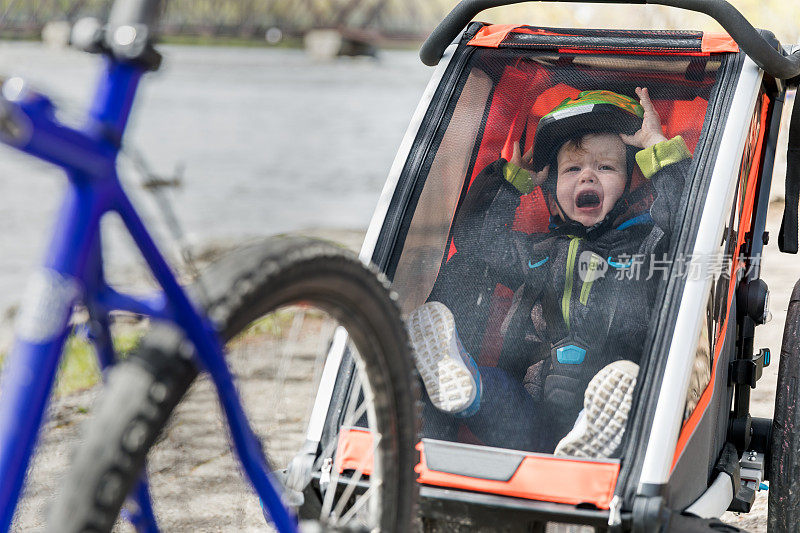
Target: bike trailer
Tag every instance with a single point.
(672, 283)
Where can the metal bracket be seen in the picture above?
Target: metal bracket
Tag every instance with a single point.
(752, 469)
(749, 371)
(751, 472)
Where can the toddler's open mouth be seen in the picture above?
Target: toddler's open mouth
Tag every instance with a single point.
(587, 200)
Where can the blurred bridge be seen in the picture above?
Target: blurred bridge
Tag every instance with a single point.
(389, 19)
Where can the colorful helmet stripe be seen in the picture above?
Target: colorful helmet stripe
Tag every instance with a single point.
(582, 104)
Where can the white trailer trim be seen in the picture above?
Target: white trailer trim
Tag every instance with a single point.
(668, 416)
(322, 401)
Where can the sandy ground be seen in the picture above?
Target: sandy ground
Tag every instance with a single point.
(197, 481)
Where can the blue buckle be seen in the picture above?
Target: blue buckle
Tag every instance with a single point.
(570, 355)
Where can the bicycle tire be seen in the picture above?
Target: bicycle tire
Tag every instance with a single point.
(783, 506)
(144, 390)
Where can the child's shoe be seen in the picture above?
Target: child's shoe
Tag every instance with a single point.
(448, 372)
(606, 403)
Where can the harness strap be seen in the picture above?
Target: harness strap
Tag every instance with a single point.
(787, 238)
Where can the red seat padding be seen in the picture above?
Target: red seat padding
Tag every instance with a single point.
(521, 98)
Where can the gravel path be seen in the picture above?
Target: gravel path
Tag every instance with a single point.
(197, 482)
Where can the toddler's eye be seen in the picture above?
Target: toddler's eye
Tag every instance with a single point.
(609, 168)
(573, 168)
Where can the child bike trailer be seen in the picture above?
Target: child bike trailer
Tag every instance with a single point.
(574, 224)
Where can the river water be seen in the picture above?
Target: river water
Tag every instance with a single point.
(271, 141)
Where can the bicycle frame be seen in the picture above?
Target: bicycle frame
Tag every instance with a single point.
(73, 271)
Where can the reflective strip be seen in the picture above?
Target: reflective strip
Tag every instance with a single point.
(573, 252)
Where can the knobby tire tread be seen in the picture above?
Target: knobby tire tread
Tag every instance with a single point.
(143, 390)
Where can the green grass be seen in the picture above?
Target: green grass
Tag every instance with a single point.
(272, 325)
(79, 368)
(278, 325)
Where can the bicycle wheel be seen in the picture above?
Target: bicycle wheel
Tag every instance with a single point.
(282, 307)
(784, 461)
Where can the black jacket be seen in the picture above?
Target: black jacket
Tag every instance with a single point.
(555, 301)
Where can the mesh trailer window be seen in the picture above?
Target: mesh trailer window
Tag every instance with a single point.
(545, 232)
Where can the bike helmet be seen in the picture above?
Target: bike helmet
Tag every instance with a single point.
(590, 112)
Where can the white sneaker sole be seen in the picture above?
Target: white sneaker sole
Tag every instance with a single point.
(449, 383)
(606, 404)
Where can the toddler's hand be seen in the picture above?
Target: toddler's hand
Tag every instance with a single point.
(652, 132)
(525, 161)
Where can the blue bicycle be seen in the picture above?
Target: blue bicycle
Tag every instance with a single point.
(297, 306)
